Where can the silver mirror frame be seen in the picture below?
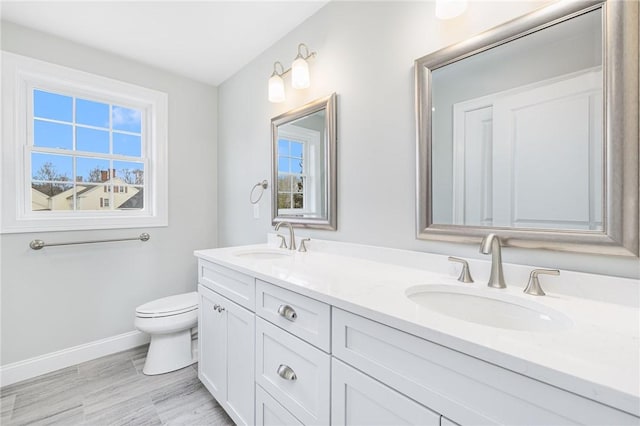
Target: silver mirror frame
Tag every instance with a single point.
(621, 234)
(328, 103)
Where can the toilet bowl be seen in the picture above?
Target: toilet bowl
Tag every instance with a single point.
(169, 322)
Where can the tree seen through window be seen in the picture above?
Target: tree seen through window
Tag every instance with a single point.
(291, 174)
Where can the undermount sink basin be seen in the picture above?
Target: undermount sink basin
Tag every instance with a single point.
(263, 254)
(489, 307)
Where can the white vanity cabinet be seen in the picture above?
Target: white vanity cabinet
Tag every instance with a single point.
(226, 340)
(302, 361)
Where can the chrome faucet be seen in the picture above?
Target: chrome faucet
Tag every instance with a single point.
(292, 238)
(491, 244)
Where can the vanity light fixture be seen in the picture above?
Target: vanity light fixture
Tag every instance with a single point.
(300, 68)
(299, 74)
(447, 9)
(276, 84)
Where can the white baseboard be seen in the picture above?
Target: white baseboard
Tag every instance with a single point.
(32, 367)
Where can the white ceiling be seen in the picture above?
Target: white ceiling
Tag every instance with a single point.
(205, 40)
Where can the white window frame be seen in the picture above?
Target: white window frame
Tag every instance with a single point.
(20, 75)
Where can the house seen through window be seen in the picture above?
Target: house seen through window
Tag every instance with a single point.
(85, 154)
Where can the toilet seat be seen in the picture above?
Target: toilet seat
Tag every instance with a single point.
(169, 306)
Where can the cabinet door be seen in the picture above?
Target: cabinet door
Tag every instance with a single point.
(357, 399)
(212, 335)
(227, 347)
(240, 343)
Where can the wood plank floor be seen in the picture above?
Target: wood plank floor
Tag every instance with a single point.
(111, 391)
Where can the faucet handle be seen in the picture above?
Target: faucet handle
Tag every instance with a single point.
(303, 247)
(283, 242)
(465, 275)
(533, 286)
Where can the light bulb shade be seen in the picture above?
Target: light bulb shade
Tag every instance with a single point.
(276, 89)
(300, 74)
(447, 9)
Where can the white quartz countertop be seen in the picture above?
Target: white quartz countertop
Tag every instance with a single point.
(598, 357)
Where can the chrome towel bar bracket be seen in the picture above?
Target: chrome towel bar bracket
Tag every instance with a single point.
(38, 244)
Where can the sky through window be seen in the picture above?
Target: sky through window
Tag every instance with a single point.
(100, 128)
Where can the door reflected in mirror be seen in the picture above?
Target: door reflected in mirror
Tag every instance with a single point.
(517, 132)
(303, 145)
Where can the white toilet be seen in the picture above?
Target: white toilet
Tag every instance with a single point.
(169, 322)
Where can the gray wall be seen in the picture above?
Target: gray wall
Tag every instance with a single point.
(66, 296)
(365, 54)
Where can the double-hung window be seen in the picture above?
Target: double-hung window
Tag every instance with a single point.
(81, 151)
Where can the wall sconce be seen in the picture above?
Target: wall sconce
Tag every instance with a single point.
(447, 9)
(299, 74)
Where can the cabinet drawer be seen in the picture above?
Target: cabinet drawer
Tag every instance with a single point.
(270, 413)
(460, 387)
(278, 352)
(304, 317)
(357, 399)
(237, 287)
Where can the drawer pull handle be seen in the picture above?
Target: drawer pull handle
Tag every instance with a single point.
(286, 372)
(287, 312)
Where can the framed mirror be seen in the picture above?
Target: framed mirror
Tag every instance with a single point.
(303, 151)
(530, 131)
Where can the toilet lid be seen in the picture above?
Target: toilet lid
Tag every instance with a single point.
(172, 305)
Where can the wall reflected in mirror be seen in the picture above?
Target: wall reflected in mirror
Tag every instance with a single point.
(517, 132)
(303, 149)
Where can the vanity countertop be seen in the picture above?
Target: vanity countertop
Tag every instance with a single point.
(598, 358)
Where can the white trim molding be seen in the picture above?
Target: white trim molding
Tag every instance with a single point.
(32, 367)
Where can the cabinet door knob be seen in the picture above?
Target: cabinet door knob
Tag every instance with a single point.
(287, 312)
(286, 372)
(220, 309)
(215, 307)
